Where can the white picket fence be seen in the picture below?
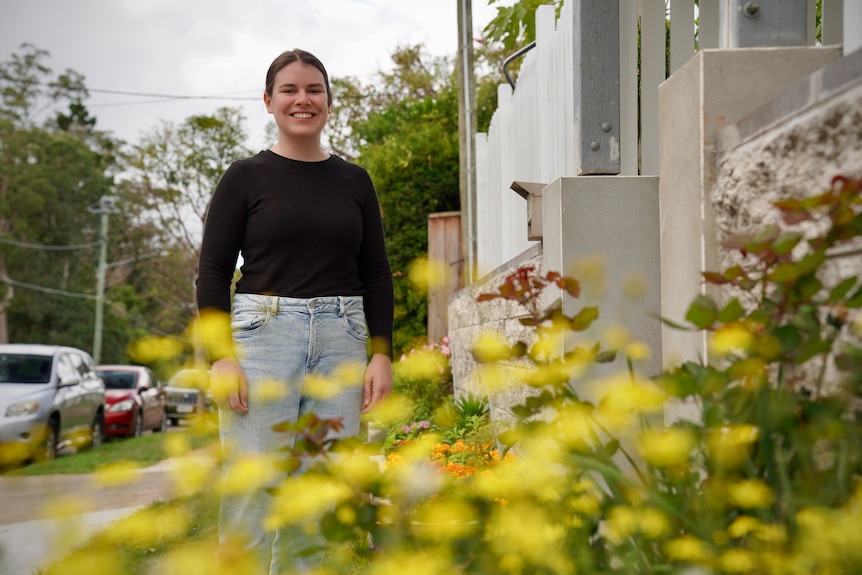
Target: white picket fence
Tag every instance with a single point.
(535, 134)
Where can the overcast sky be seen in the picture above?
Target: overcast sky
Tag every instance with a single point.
(217, 47)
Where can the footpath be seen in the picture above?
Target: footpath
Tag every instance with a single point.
(31, 532)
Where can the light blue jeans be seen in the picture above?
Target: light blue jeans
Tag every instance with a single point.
(286, 339)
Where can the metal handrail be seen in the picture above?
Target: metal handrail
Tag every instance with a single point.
(509, 60)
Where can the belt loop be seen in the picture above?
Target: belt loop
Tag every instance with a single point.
(273, 305)
(341, 305)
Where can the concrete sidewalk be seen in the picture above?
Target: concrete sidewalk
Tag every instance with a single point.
(30, 537)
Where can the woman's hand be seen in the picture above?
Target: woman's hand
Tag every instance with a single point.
(378, 381)
(229, 385)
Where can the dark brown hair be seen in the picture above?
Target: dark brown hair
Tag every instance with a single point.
(291, 56)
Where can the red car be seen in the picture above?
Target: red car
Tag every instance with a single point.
(135, 398)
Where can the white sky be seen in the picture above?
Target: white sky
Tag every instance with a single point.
(217, 47)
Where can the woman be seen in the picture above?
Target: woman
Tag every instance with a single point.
(315, 285)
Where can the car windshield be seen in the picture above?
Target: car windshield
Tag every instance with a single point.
(118, 379)
(25, 368)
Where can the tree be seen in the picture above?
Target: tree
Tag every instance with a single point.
(49, 175)
(174, 171)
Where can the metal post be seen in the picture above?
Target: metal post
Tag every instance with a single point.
(750, 23)
(467, 129)
(107, 205)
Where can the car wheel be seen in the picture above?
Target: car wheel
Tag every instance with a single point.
(163, 426)
(137, 425)
(48, 449)
(97, 432)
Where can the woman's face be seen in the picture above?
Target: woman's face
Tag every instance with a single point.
(299, 101)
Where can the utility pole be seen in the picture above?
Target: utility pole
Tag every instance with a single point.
(467, 138)
(107, 206)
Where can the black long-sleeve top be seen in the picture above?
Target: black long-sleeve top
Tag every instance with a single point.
(305, 229)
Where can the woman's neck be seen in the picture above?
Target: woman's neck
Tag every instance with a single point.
(311, 152)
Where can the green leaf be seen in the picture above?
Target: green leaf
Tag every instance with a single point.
(702, 312)
(606, 356)
(584, 318)
(731, 312)
(786, 242)
(855, 300)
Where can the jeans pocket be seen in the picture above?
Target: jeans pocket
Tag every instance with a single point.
(354, 323)
(246, 322)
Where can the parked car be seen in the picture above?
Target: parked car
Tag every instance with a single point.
(136, 400)
(184, 390)
(50, 398)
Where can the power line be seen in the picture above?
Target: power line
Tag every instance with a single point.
(42, 289)
(47, 247)
(145, 94)
(132, 318)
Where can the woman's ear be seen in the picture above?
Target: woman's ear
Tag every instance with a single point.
(267, 100)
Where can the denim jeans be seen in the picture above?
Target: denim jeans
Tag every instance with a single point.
(285, 340)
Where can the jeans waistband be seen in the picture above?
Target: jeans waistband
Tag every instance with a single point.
(315, 304)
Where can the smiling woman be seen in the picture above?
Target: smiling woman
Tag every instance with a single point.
(315, 296)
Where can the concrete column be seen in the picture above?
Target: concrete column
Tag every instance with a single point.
(711, 91)
(610, 222)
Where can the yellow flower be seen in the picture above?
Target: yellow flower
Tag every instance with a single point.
(491, 346)
(119, 473)
(427, 273)
(214, 331)
(394, 409)
(742, 526)
(653, 523)
(637, 351)
(528, 531)
(635, 285)
(249, 473)
(689, 549)
(88, 562)
(269, 390)
(431, 562)
(622, 522)
(421, 364)
(668, 448)
(155, 348)
(731, 338)
(728, 446)
(305, 498)
(737, 561)
(148, 526)
(442, 520)
(548, 345)
(750, 494)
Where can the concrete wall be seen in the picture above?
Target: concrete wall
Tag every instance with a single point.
(712, 91)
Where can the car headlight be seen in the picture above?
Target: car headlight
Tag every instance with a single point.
(125, 405)
(22, 408)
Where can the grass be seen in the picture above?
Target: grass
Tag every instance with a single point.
(145, 450)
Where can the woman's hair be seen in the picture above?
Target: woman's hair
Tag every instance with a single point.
(296, 55)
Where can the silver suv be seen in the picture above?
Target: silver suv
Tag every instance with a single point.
(50, 398)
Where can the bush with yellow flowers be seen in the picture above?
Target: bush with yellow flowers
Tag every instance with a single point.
(766, 477)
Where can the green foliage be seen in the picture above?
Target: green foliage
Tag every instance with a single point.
(410, 148)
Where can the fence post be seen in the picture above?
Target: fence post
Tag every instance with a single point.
(596, 49)
(750, 23)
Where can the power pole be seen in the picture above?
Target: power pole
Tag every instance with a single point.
(107, 206)
(467, 138)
